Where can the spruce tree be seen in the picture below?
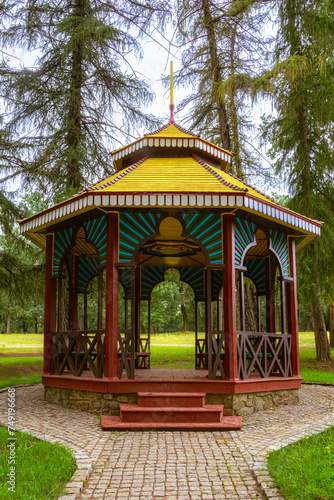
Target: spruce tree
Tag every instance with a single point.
(301, 134)
(81, 93)
(223, 49)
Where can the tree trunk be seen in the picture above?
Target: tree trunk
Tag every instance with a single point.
(185, 318)
(8, 323)
(331, 323)
(216, 75)
(322, 347)
(74, 134)
(250, 308)
(308, 321)
(81, 319)
(36, 324)
(234, 113)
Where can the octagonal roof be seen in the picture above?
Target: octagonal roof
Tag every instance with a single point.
(171, 169)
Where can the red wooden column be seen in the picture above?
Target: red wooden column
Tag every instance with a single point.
(49, 304)
(230, 319)
(111, 296)
(74, 293)
(269, 300)
(293, 306)
(137, 311)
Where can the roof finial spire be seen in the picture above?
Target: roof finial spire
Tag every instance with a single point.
(171, 106)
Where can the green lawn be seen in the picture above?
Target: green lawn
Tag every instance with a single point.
(20, 370)
(173, 350)
(311, 369)
(305, 470)
(42, 469)
(18, 342)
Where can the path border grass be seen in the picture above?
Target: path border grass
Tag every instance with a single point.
(304, 470)
(83, 462)
(40, 469)
(260, 468)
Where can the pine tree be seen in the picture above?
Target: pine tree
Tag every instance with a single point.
(81, 93)
(222, 52)
(302, 83)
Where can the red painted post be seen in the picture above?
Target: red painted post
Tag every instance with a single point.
(293, 306)
(230, 318)
(269, 300)
(111, 296)
(74, 292)
(49, 304)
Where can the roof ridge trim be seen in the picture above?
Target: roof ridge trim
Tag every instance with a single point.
(120, 176)
(163, 127)
(201, 162)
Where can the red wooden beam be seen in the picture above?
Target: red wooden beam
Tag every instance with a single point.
(230, 319)
(111, 296)
(292, 306)
(49, 304)
(126, 386)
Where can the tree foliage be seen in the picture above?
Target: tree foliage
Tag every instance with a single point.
(301, 82)
(69, 107)
(224, 46)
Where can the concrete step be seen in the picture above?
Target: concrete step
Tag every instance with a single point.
(115, 423)
(206, 414)
(171, 399)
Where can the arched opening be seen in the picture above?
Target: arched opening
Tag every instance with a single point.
(78, 342)
(176, 260)
(264, 347)
(172, 305)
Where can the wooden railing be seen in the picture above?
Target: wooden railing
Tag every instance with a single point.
(77, 351)
(201, 357)
(126, 352)
(268, 354)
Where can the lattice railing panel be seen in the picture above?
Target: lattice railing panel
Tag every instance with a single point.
(201, 359)
(126, 353)
(77, 351)
(143, 356)
(266, 354)
(218, 352)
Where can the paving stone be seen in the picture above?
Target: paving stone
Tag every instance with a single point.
(173, 465)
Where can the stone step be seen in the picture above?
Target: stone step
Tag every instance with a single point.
(115, 423)
(171, 399)
(206, 414)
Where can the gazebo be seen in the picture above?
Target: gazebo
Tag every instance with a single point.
(172, 203)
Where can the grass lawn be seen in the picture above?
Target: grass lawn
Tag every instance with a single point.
(311, 369)
(42, 469)
(19, 342)
(305, 470)
(173, 350)
(20, 370)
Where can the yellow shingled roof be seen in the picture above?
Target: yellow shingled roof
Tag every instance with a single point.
(168, 175)
(170, 131)
(238, 183)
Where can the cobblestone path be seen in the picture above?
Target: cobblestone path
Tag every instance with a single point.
(172, 465)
